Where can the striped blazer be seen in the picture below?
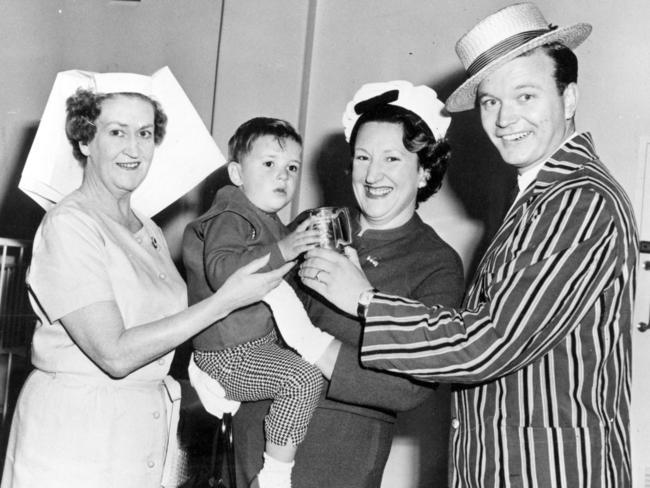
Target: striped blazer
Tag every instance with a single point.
(540, 353)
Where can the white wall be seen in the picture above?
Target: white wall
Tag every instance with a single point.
(39, 38)
(303, 60)
(373, 40)
(261, 65)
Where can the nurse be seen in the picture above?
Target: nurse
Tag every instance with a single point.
(111, 306)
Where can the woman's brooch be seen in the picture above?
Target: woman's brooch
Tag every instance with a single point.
(372, 260)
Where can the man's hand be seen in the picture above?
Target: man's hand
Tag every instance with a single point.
(338, 278)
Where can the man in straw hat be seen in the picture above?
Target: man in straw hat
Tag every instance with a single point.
(541, 350)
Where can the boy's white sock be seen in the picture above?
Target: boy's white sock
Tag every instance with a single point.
(274, 473)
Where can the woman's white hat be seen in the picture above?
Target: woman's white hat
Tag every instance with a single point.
(185, 157)
(501, 37)
(421, 100)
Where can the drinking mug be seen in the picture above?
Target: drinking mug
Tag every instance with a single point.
(333, 225)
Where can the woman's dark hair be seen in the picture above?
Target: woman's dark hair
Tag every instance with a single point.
(246, 134)
(84, 107)
(433, 155)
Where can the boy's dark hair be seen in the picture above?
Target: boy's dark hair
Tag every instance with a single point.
(247, 133)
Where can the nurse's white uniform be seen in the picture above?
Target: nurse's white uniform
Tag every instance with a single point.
(74, 426)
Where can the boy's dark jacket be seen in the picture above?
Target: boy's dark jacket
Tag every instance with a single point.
(213, 250)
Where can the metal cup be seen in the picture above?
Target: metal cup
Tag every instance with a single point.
(333, 224)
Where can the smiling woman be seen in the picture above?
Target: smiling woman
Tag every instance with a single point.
(117, 148)
(395, 164)
(399, 156)
(111, 305)
(385, 175)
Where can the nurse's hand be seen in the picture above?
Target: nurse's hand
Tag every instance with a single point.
(337, 277)
(245, 286)
(210, 392)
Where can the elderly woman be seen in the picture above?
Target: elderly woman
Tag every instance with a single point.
(112, 308)
(399, 156)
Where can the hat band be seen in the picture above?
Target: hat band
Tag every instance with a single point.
(376, 101)
(502, 48)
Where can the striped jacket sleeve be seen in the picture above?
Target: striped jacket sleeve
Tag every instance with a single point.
(531, 290)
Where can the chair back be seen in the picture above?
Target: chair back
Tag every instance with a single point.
(17, 319)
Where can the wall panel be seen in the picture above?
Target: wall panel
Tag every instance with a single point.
(39, 38)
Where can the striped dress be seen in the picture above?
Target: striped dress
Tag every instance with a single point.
(540, 353)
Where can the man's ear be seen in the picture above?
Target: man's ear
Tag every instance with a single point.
(571, 96)
(84, 149)
(234, 172)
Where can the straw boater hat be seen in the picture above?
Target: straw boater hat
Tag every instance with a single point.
(421, 100)
(501, 37)
(183, 159)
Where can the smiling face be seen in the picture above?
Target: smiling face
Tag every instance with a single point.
(522, 111)
(120, 154)
(268, 173)
(385, 176)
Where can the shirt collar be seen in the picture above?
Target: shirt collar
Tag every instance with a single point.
(525, 179)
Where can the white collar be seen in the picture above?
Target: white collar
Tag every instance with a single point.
(525, 179)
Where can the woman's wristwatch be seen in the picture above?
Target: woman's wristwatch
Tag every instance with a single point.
(364, 301)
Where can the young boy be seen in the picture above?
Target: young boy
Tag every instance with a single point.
(241, 350)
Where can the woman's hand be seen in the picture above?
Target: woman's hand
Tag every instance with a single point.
(245, 286)
(300, 240)
(339, 278)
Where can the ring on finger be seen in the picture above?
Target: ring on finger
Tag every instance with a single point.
(316, 275)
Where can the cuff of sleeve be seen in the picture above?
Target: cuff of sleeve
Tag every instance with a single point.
(312, 349)
(363, 303)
